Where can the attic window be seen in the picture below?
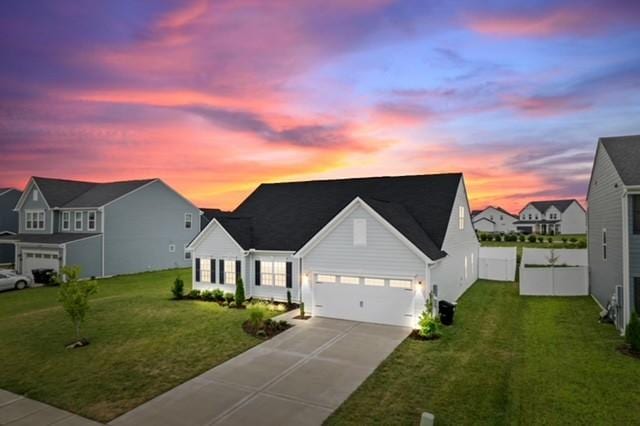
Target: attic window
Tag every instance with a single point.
(359, 232)
(461, 218)
(35, 195)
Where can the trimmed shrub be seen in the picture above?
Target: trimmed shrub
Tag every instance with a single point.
(550, 240)
(239, 291)
(582, 244)
(632, 334)
(207, 296)
(540, 239)
(483, 237)
(229, 297)
(564, 240)
(289, 298)
(193, 294)
(532, 238)
(573, 240)
(218, 295)
(521, 238)
(178, 289)
(256, 315)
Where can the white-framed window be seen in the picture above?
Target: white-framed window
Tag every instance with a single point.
(205, 270)
(400, 284)
(35, 195)
(91, 221)
(374, 282)
(229, 271)
(172, 248)
(77, 221)
(187, 253)
(460, 218)
(188, 220)
(324, 278)
(273, 273)
(604, 243)
(66, 221)
(34, 220)
(349, 280)
(359, 232)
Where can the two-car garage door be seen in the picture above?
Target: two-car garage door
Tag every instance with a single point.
(39, 259)
(362, 298)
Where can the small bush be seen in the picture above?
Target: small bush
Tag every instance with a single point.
(239, 291)
(632, 334)
(229, 297)
(289, 298)
(582, 244)
(521, 238)
(256, 315)
(218, 295)
(178, 289)
(532, 238)
(497, 238)
(573, 240)
(483, 237)
(429, 324)
(193, 294)
(207, 296)
(550, 240)
(540, 239)
(564, 240)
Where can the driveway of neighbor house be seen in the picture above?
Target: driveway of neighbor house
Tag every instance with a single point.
(16, 410)
(299, 377)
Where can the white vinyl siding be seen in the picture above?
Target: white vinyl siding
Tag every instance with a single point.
(359, 232)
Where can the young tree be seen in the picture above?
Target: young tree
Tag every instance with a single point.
(239, 292)
(74, 295)
(429, 323)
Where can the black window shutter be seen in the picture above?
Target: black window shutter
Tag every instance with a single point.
(289, 275)
(212, 277)
(197, 269)
(238, 270)
(221, 276)
(636, 294)
(257, 272)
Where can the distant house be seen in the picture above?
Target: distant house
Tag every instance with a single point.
(614, 225)
(208, 214)
(493, 219)
(8, 222)
(367, 249)
(105, 228)
(552, 217)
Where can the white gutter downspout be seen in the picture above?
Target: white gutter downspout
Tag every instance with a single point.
(625, 260)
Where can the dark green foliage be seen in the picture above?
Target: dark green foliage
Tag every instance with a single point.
(532, 238)
(573, 240)
(193, 294)
(239, 291)
(218, 295)
(632, 333)
(582, 244)
(549, 240)
(178, 288)
(540, 239)
(74, 295)
(521, 238)
(229, 297)
(483, 237)
(564, 240)
(288, 298)
(207, 296)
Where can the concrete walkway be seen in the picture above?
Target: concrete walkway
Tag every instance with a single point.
(16, 410)
(299, 377)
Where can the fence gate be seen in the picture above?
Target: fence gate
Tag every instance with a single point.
(497, 263)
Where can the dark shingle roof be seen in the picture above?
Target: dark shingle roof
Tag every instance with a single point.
(500, 209)
(561, 205)
(72, 193)
(624, 152)
(57, 238)
(284, 216)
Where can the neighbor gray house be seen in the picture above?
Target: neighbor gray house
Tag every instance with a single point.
(8, 221)
(614, 225)
(367, 249)
(107, 229)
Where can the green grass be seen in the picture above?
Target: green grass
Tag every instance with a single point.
(507, 360)
(142, 344)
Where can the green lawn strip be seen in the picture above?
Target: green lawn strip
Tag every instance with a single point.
(142, 344)
(507, 360)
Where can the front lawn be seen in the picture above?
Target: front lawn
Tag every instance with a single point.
(507, 360)
(142, 344)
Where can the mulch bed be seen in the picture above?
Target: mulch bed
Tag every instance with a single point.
(415, 335)
(268, 329)
(626, 350)
(299, 317)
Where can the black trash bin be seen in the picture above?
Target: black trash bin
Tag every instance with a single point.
(447, 311)
(43, 275)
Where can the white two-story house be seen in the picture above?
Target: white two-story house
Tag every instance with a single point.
(552, 218)
(494, 219)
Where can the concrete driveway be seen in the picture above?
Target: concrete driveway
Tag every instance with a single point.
(299, 377)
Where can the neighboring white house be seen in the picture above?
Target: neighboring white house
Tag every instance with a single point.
(368, 249)
(494, 219)
(552, 217)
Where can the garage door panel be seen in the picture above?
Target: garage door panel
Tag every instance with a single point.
(366, 303)
(39, 259)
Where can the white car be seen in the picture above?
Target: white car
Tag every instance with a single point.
(11, 280)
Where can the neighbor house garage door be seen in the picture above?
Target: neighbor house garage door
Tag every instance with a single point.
(367, 299)
(39, 259)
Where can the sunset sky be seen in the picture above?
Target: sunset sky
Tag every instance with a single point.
(215, 97)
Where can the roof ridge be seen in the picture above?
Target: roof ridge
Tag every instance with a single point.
(363, 178)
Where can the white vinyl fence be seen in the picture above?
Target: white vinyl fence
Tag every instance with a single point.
(569, 276)
(497, 263)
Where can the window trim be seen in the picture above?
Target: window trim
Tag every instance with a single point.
(95, 220)
(344, 279)
(62, 220)
(604, 244)
(229, 271)
(205, 261)
(324, 279)
(77, 214)
(461, 218)
(34, 195)
(188, 221)
(186, 252)
(34, 220)
(396, 283)
(172, 248)
(272, 278)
